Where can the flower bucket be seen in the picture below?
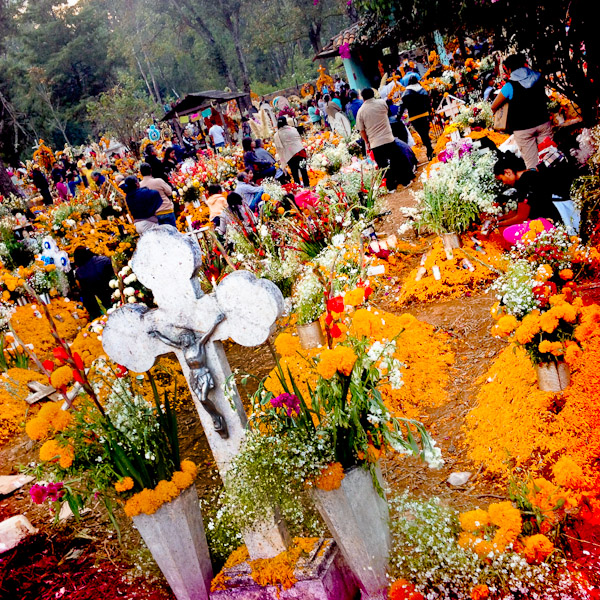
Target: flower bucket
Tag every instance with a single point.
(450, 240)
(553, 377)
(310, 335)
(175, 536)
(358, 519)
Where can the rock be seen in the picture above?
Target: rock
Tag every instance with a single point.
(460, 478)
(10, 483)
(13, 531)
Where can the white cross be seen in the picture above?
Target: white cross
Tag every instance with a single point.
(242, 308)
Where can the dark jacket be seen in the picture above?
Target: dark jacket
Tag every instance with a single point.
(529, 105)
(158, 170)
(94, 277)
(415, 101)
(143, 203)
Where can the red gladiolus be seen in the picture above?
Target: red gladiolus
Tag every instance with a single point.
(60, 354)
(368, 291)
(77, 376)
(328, 319)
(335, 304)
(78, 361)
(335, 331)
(48, 365)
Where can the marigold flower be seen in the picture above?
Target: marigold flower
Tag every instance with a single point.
(505, 326)
(474, 519)
(62, 420)
(187, 466)
(327, 365)
(166, 491)
(346, 359)
(287, 344)
(567, 473)
(182, 480)
(331, 477)
(37, 429)
(548, 322)
(565, 274)
(61, 377)
(537, 548)
(402, 589)
(354, 297)
(544, 272)
(480, 592)
(123, 485)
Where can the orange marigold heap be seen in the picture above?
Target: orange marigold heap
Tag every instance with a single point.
(13, 408)
(402, 589)
(455, 281)
(50, 418)
(53, 450)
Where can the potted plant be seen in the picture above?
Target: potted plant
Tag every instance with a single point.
(309, 304)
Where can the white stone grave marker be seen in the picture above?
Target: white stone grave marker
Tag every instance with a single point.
(192, 325)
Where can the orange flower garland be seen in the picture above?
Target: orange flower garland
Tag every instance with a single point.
(148, 501)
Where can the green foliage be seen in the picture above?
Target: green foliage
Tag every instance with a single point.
(12, 359)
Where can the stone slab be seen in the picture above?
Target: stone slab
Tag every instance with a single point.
(13, 531)
(10, 483)
(322, 575)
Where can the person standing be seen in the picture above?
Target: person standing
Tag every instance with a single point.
(142, 203)
(314, 114)
(528, 116)
(418, 104)
(331, 108)
(165, 213)
(217, 135)
(94, 273)
(41, 183)
(151, 157)
(374, 126)
(291, 151)
(353, 106)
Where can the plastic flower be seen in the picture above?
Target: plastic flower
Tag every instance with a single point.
(123, 485)
(331, 477)
(537, 548)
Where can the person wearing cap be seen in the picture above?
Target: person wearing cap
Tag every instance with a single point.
(143, 203)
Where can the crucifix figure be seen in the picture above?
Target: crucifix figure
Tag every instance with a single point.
(201, 380)
(192, 324)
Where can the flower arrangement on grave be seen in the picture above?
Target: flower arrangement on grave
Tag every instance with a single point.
(486, 553)
(128, 289)
(331, 158)
(311, 423)
(113, 440)
(457, 192)
(478, 115)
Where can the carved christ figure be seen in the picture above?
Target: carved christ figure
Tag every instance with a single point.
(192, 344)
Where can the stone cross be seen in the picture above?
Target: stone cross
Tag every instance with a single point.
(192, 324)
(450, 106)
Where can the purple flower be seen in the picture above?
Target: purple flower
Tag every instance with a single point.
(55, 491)
(344, 50)
(288, 401)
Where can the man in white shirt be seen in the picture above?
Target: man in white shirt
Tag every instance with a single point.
(165, 213)
(216, 133)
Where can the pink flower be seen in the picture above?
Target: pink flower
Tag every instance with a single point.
(38, 493)
(288, 401)
(344, 50)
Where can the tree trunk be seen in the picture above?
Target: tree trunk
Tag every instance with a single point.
(196, 23)
(7, 187)
(314, 35)
(232, 22)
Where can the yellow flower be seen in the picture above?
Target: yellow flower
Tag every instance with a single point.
(536, 226)
(505, 326)
(537, 548)
(565, 274)
(346, 359)
(124, 484)
(52, 451)
(354, 297)
(331, 477)
(327, 365)
(286, 344)
(187, 466)
(61, 376)
(182, 480)
(548, 322)
(474, 519)
(569, 474)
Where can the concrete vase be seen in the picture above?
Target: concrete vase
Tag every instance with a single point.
(358, 519)
(553, 377)
(175, 536)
